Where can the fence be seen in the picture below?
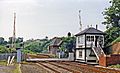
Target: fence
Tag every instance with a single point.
(4, 56)
(109, 60)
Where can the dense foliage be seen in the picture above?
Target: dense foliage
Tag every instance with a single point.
(68, 44)
(115, 66)
(2, 41)
(112, 14)
(41, 45)
(111, 34)
(112, 22)
(116, 40)
(3, 49)
(36, 46)
(5, 46)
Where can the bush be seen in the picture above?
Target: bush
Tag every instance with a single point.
(116, 66)
(3, 49)
(116, 40)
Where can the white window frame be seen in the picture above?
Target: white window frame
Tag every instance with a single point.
(90, 39)
(80, 56)
(81, 39)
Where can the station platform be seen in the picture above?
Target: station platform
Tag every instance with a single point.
(48, 59)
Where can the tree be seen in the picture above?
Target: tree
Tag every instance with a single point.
(19, 40)
(116, 40)
(112, 22)
(112, 14)
(46, 37)
(68, 43)
(3, 49)
(111, 34)
(69, 34)
(36, 46)
(10, 40)
(1, 40)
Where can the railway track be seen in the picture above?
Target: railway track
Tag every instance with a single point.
(46, 66)
(91, 68)
(87, 68)
(32, 68)
(73, 67)
(54, 68)
(64, 67)
(80, 68)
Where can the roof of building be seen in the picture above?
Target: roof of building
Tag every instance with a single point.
(90, 30)
(56, 41)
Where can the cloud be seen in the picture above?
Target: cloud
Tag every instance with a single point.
(17, 1)
(48, 17)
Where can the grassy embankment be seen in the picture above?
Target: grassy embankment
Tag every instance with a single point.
(3, 63)
(15, 67)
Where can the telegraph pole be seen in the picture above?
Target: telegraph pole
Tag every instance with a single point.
(14, 32)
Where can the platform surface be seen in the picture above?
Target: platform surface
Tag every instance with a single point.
(49, 59)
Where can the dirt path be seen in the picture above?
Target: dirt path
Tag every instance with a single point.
(7, 69)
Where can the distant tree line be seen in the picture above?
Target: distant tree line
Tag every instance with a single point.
(41, 45)
(5, 46)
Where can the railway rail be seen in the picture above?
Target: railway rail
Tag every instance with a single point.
(91, 68)
(73, 67)
(47, 66)
(60, 66)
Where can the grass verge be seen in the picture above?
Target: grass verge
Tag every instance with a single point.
(115, 66)
(17, 69)
(3, 63)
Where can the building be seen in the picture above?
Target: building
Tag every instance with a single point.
(54, 46)
(89, 44)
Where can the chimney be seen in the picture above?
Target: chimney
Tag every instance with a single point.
(96, 26)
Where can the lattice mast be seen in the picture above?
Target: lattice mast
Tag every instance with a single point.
(80, 20)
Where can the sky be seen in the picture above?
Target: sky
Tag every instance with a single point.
(39, 18)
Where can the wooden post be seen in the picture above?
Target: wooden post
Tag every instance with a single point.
(18, 55)
(8, 62)
(11, 61)
(85, 48)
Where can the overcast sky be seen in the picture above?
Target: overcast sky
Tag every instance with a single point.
(40, 18)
